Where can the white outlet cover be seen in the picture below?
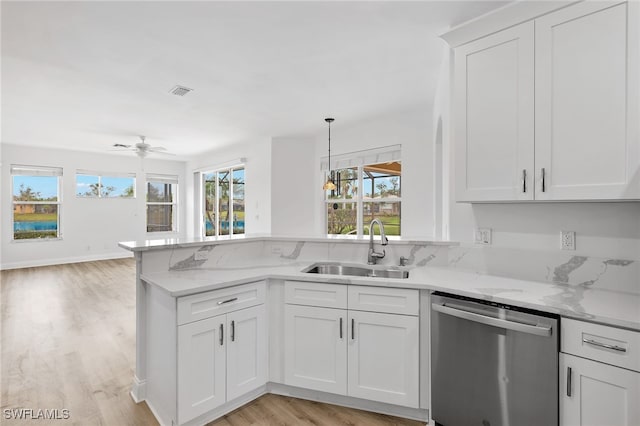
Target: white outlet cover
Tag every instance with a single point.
(483, 236)
(567, 240)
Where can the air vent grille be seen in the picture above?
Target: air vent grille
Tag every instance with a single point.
(180, 90)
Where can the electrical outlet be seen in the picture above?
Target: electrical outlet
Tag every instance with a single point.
(201, 255)
(483, 236)
(567, 240)
(276, 250)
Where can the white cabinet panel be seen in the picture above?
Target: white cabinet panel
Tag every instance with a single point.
(201, 367)
(384, 358)
(247, 355)
(494, 122)
(596, 394)
(315, 348)
(315, 294)
(381, 299)
(587, 102)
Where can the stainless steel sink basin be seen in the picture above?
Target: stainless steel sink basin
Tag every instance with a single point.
(357, 271)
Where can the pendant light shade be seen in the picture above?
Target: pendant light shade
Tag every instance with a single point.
(329, 185)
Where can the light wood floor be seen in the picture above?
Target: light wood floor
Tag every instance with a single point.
(68, 342)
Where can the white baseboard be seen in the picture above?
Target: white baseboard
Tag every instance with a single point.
(64, 260)
(139, 390)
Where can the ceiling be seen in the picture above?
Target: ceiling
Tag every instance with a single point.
(84, 75)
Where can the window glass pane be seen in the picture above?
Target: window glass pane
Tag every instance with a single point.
(342, 220)
(35, 221)
(388, 213)
(382, 180)
(238, 201)
(160, 192)
(35, 188)
(346, 181)
(114, 187)
(87, 186)
(223, 207)
(159, 218)
(209, 219)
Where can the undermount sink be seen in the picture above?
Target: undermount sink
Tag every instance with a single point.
(357, 271)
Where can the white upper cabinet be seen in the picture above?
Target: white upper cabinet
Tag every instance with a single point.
(587, 102)
(494, 116)
(548, 109)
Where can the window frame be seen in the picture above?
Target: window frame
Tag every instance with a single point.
(172, 180)
(49, 171)
(358, 200)
(203, 200)
(100, 176)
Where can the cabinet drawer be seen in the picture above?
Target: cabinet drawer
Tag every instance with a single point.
(217, 302)
(315, 294)
(611, 345)
(383, 299)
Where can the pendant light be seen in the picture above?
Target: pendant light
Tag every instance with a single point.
(329, 185)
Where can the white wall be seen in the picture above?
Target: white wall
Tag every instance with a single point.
(91, 228)
(412, 129)
(257, 183)
(293, 190)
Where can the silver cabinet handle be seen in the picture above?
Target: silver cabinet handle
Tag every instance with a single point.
(495, 322)
(568, 381)
(544, 186)
(340, 327)
(227, 301)
(353, 329)
(603, 345)
(524, 180)
(233, 331)
(221, 334)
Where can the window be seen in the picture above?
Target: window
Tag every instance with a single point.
(36, 202)
(162, 203)
(105, 185)
(223, 203)
(368, 186)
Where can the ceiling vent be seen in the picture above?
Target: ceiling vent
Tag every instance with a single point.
(180, 90)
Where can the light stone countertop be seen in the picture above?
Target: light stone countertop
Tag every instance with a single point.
(169, 243)
(591, 304)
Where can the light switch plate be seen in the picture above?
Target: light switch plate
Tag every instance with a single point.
(567, 240)
(483, 236)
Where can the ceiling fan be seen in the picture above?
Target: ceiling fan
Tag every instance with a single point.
(142, 149)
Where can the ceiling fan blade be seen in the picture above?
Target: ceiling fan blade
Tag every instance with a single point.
(157, 149)
(120, 145)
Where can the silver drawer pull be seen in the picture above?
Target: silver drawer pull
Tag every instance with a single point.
(603, 345)
(228, 301)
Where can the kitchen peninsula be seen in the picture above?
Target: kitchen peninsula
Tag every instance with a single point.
(192, 294)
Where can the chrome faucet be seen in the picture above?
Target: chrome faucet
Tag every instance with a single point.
(373, 256)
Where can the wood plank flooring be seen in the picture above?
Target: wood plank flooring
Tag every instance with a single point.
(67, 341)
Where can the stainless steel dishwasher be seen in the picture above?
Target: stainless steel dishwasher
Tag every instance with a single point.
(492, 364)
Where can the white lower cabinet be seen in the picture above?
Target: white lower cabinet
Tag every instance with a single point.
(315, 351)
(599, 375)
(368, 355)
(383, 358)
(597, 394)
(219, 359)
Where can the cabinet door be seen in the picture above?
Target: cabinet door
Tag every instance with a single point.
(494, 107)
(315, 348)
(597, 394)
(587, 98)
(247, 354)
(201, 367)
(384, 358)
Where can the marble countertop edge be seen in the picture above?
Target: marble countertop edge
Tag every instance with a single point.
(595, 305)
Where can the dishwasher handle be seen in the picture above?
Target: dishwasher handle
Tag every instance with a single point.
(495, 322)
